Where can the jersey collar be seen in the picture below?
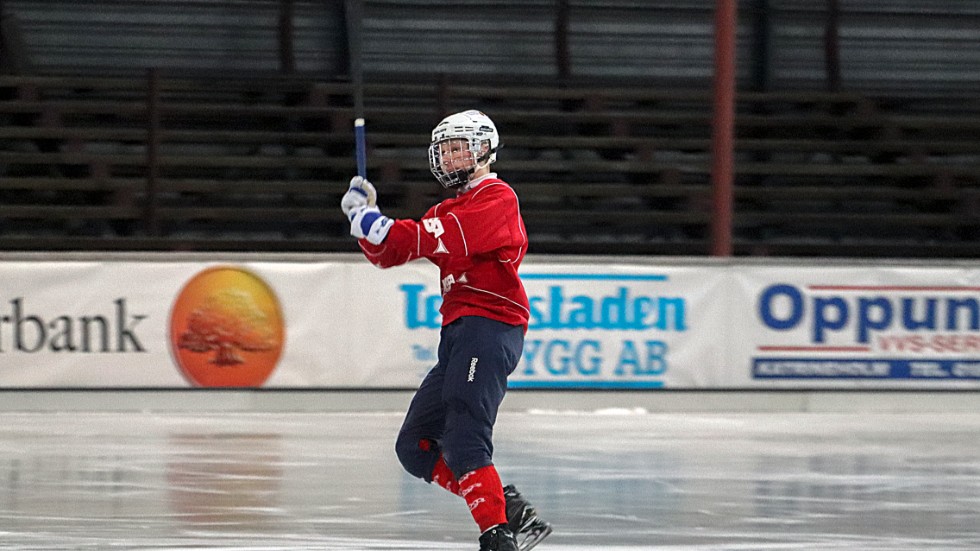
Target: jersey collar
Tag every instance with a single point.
(476, 183)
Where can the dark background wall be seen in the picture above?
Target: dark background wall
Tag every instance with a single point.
(889, 46)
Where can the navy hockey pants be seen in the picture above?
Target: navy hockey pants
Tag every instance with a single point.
(455, 407)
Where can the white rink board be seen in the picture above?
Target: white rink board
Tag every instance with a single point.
(598, 323)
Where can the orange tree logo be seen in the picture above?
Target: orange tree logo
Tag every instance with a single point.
(226, 329)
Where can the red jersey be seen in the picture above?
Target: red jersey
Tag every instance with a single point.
(478, 241)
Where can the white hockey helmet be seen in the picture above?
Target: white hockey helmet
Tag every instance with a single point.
(474, 127)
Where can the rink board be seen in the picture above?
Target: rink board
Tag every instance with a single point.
(620, 323)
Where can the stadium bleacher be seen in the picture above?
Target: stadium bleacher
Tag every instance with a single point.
(220, 151)
(259, 164)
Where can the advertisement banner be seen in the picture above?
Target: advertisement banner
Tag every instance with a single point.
(336, 321)
(618, 326)
(881, 327)
(153, 324)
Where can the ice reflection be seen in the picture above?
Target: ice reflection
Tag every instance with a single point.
(225, 481)
(628, 482)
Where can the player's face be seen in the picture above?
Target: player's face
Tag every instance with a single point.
(456, 155)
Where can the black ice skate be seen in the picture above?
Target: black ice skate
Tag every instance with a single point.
(498, 538)
(523, 520)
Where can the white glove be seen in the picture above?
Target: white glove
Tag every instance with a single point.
(368, 223)
(360, 193)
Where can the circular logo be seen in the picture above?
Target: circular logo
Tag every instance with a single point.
(226, 329)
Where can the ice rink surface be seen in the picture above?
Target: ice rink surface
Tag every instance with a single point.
(612, 480)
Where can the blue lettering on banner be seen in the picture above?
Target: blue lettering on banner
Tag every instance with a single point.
(421, 311)
(856, 332)
(619, 311)
(585, 357)
(785, 307)
(864, 368)
(558, 310)
(574, 361)
(423, 353)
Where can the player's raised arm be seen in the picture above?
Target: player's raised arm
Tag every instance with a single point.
(371, 227)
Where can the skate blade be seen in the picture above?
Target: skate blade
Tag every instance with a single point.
(534, 536)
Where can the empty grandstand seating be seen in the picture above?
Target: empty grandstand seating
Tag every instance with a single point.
(170, 162)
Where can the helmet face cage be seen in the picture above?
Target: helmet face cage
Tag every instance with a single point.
(441, 169)
(475, 129)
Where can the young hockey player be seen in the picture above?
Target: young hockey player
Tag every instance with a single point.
(478, 241)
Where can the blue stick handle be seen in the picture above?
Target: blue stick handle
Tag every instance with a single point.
(361, 150)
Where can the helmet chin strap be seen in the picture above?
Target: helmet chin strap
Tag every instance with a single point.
(463, 177)
(481, 163)
(486, 156)
(471, 182)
